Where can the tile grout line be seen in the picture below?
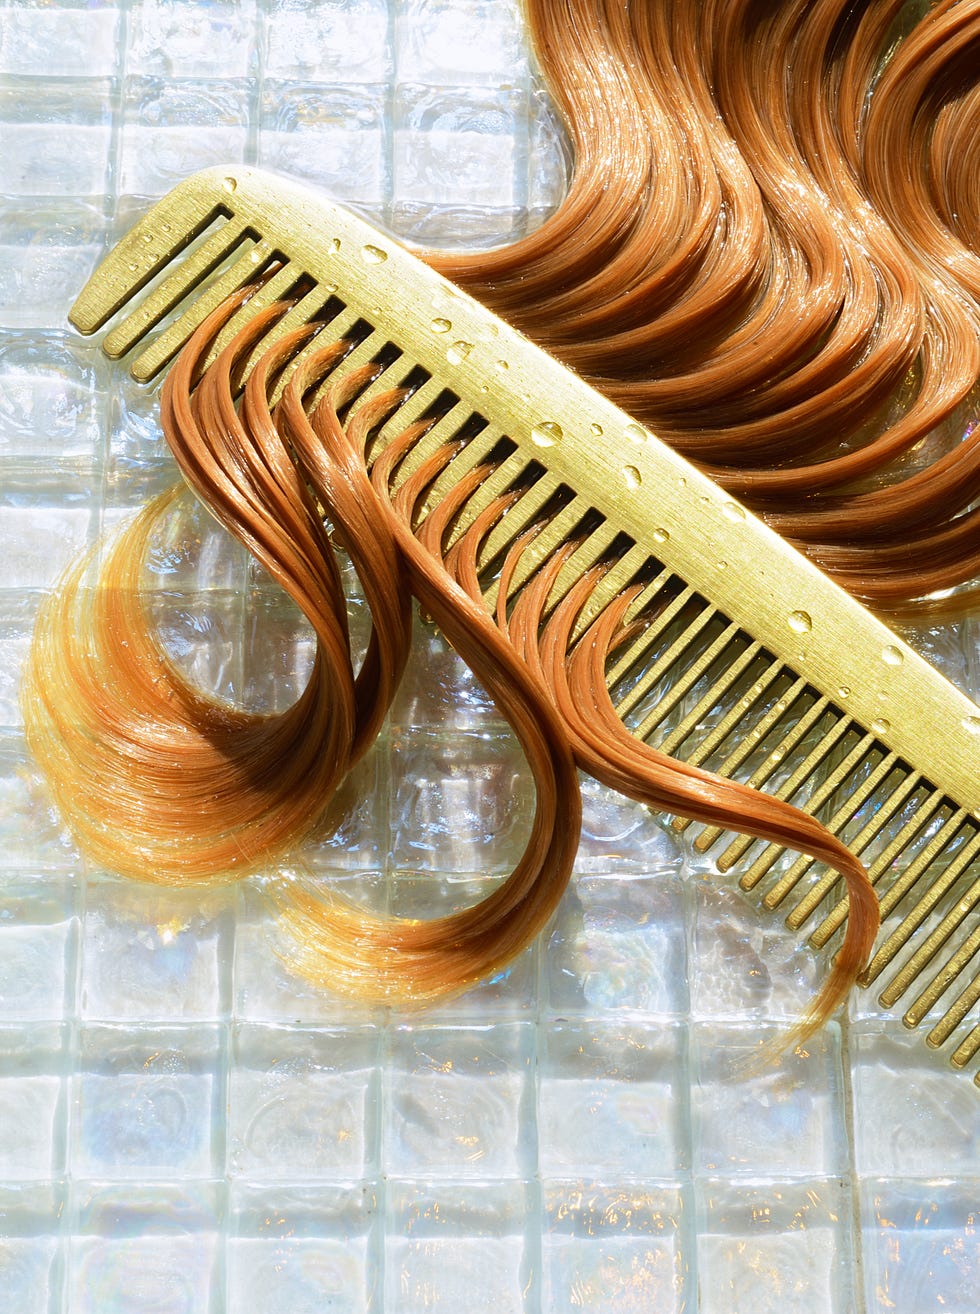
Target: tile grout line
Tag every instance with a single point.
(850, 1129)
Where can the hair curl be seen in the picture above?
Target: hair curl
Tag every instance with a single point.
(768, 252)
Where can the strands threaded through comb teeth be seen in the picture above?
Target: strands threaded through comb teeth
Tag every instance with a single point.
(681, 637)
(382, 509)
(805, 213)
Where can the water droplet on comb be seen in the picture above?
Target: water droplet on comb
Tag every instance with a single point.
(230, 184)
(972, 724)
(844, 691)
(441, 325)
(636, 434)
(633, 480)
(733, 511)
(661, 535)
(880, 726)
(892, 656)
(547, 433)
(502, 365)
(800, 622)
(373, 255)
(458, 352)
(335, 244)
(596, 430)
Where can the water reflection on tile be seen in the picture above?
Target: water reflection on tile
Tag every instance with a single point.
(613, 1250)
(922, 1244)
(780, 1248)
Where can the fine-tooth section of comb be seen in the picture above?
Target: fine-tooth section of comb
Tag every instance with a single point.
(745, 659)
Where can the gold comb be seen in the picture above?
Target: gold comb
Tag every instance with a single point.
(755, 666)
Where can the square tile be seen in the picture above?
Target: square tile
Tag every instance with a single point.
(32, 834)
(352, 837)
(303, 1104)
(783, 1248)
(267, 987)
(303, 1250)
(744, 963)
(146, 1249)
(511, 993)
(48, 249)
(155, 953)
(620, 836)
(135, 436)
(459, 1102)
(52, 406)
(60, 38)
(32, 1270)
(438, 691)
(549, 156)
(202, 635)
(32, 1246)
(190, 553)
(38, 948)
(443, 43)
(754, 1117)
(921, 1244)
(460, 1245)
(611, 1102)
(55, 139)
(450, 144)
(172, 39)
(619, 946)
(148, 1103)
(609, 1249)
(278, 649)
(333, 137)
(915, 1115)
(171, 129)
(345, 41)
(18, 611)
(42, 535)
(460, 806)
(33, 1103)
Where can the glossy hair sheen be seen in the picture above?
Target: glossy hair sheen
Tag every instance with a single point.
(162, 782)
(768, 253)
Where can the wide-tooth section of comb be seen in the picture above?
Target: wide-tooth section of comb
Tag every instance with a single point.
(748, 662)
(186, 214)
(192, 270)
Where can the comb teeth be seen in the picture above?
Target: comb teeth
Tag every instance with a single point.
(149, 247)
(692, 668)
(884, 811)
(835, 824)
(193, 270)
(748, 662)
